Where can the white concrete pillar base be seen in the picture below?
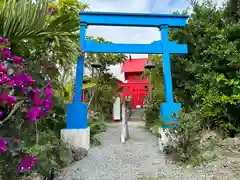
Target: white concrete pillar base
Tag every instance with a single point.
(166, 138)
(163, 139)
(76, 138)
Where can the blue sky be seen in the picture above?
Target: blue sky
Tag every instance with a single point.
(128, 34)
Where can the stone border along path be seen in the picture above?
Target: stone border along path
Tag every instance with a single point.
(137, 159)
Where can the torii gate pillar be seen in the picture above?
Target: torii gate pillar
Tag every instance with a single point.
(77, 131)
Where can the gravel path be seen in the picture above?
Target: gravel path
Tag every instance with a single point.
(116, 161)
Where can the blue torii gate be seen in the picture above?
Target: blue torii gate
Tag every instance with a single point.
(77, 112)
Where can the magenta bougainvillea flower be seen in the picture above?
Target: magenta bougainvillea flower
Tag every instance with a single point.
(48, 93)
(3, 69)
(4, 79)
(28, 163)
(5, 98)
(11, 100)
(17, 59)
(18, 84)
(6, 53)
(3, 145)
(26, 79)
(33, 113)
(3, 40)
(36, 97)
(47, 104)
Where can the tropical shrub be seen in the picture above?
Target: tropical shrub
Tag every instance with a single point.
(206, 80)
(49, 43)
(208, 76)
(20, 98)
(184, 138)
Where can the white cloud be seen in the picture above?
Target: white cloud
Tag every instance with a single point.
(122, 34)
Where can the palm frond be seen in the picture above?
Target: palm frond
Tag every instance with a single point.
(24, 20)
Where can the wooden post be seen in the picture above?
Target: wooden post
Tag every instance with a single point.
(126, 120)
(125, 117)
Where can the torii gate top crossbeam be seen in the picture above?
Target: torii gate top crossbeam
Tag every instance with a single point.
(162, 21)
(132, 19)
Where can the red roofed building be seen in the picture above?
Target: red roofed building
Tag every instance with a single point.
(135, 85)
